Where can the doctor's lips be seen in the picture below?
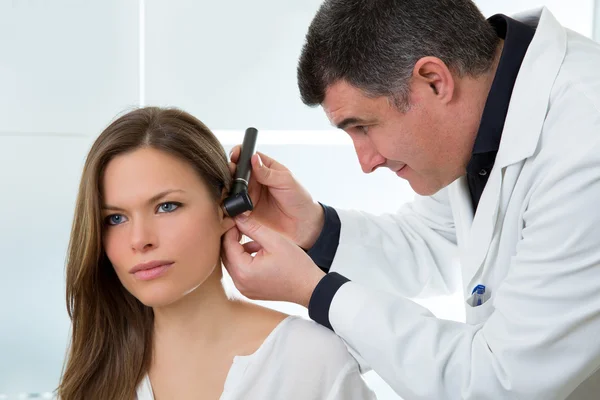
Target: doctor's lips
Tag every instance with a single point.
(151, 269)
(399, 170)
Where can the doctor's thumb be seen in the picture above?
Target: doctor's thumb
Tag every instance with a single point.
(264, 175)
(263, 235)
(250, 227)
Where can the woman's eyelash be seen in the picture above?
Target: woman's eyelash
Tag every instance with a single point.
(173, 204)
(170, 207)
(108, 219)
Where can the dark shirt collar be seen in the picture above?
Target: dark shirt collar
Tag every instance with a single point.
(517, 37)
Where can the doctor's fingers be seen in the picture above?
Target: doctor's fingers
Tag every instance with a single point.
(234, 153)
(252, 247)
(266, 176)
(269, 162)
(232, 251)
(271, 177)
(267, 238)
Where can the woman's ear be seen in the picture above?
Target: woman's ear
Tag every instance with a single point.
(226, 222)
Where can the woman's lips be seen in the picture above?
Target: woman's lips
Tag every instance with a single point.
(150, 270)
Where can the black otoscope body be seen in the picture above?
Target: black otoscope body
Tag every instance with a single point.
(238, 200)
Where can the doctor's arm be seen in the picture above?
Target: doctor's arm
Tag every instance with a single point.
(368, 248)
(541, 339)
(421, 235)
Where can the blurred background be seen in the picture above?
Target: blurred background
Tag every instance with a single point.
(69, 67)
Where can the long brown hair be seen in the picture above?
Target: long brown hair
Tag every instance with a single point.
(111, 342)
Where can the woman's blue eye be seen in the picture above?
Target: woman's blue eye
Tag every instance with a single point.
(168, 207)
(115, 219)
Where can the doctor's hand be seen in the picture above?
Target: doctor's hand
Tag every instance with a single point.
(279, 271)
(280, 202)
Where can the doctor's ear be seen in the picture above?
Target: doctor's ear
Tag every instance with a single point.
(431, 75)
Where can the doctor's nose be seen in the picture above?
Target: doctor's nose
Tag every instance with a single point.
(368, 157)
(143, 236)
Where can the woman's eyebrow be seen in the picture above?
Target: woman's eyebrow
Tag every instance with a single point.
(153, 199)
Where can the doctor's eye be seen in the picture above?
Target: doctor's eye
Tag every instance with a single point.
(168, 207)
(362, 129)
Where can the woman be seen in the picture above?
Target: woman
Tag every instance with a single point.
(150, 316)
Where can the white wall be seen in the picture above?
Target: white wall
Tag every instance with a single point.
(596, 18)
(231, 63)
(67, 67)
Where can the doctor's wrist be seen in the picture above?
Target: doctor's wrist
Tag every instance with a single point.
(312, 228)
(311, 283)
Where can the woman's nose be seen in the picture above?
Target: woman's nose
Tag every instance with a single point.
(143, 236)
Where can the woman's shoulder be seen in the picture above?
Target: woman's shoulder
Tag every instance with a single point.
(298, 347)
(299, 328)
(305, 340)
(292, 337)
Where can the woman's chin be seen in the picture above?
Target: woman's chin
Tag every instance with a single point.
(164, 293)
(157, 299)
(156, 302)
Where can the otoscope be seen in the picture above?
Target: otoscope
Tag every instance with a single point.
(238, 200)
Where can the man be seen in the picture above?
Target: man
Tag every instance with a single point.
(496, 126)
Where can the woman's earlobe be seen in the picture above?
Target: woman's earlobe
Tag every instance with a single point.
(227, 223)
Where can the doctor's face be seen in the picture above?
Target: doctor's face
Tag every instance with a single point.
(423, 145)
(162, 226)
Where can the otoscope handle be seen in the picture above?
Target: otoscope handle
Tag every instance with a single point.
(239, 200)
(244, 167)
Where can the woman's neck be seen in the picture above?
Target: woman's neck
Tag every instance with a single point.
(197, 338)
(203, 316)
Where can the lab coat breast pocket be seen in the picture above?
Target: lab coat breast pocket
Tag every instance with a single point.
(478, 314)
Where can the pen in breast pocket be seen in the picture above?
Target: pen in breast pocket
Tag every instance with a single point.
(478, 292)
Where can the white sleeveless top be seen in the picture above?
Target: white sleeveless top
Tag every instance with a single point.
(298, 360)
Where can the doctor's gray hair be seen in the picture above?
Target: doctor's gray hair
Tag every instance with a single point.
(374, 45)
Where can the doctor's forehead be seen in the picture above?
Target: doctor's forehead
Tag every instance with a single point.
(345, 105)
(340, 98)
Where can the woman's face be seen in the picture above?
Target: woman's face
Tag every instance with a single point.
(161, 220)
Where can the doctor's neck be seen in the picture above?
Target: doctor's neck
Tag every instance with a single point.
(471, 97)
(482, 85)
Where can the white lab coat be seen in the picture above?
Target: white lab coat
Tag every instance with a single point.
(534, 242)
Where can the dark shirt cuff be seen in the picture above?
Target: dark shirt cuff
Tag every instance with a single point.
(324, 249)
(320, 301)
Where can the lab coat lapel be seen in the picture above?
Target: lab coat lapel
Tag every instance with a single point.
(531, 93)
(522, 128)
(483, 225)
(462, 208)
